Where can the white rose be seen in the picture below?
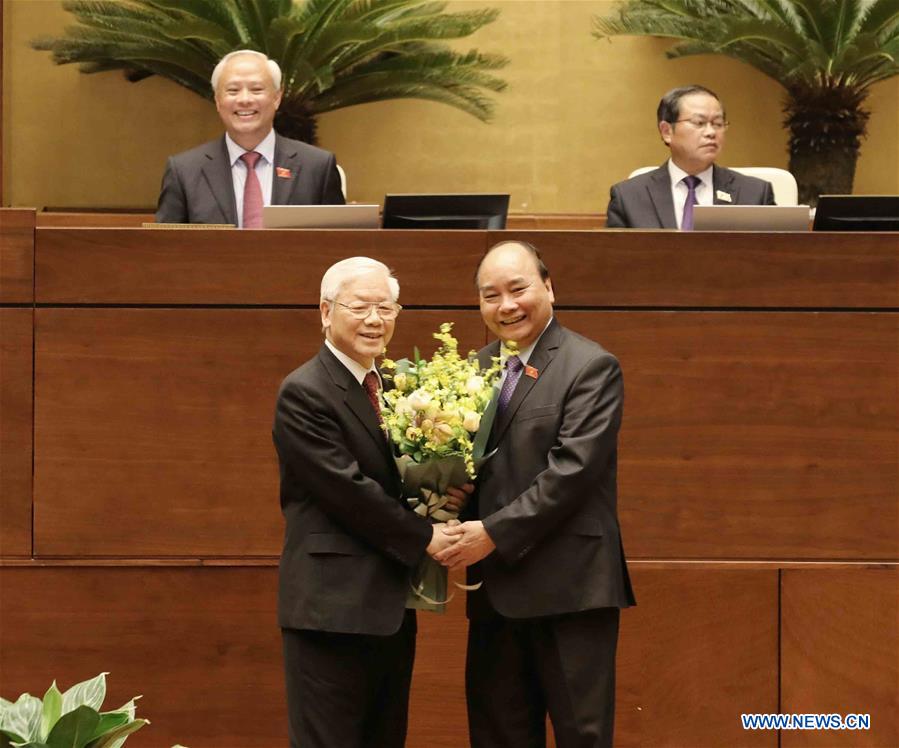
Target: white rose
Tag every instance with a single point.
(420, 399)
(471, 421)
(474, 385)
(401, 381)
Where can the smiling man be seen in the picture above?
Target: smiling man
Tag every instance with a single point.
(230, 179)
(350, 541)
(692, 123)
(544, 536)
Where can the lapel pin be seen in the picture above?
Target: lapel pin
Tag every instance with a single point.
(283, 172)
(723, 196)
(530, 371)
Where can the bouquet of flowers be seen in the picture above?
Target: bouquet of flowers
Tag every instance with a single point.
(438, 415)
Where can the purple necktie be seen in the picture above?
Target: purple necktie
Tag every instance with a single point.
(692, 183)
(513, 374)
(252, 193)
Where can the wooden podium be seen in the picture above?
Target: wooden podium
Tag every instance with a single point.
(759, 489)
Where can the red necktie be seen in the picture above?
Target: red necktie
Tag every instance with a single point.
(252, 193)
(372, 386)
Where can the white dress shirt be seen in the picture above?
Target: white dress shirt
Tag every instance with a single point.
(704, 191)
(356, 369)
(264, 169)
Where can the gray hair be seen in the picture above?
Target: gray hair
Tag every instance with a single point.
(352, 267)
(273, 69)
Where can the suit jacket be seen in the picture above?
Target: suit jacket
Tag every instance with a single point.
(548, 497)
(197, 186)
(350, 541)
(645, 202)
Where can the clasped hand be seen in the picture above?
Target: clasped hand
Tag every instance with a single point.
(457, 545)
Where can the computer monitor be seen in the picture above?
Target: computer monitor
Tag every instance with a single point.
(460, 211)
(857, 213)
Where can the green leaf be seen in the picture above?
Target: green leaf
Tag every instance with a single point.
(74, 730)
(108, 722)
(51, 711)
(116, 737)
(24, 718)
(90, 693)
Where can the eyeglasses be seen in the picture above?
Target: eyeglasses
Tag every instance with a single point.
(362, 310)
(700, 123)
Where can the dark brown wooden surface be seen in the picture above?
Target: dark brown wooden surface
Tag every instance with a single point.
(756, 435)
(202, 646)
(16, 256)
(592, 268)
(699, 648)
(196, 266)
(671, 269)
(841, 652)
(153, 426)
(15, 431)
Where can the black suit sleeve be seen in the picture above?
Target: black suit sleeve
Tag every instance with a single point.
(768, 195)
(312, 444)
(615, 217)
(172, 204)
(331, 192)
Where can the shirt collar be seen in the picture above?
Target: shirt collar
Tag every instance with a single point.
(356, 369)
(676, 174)
(266, 148)
(525, 354)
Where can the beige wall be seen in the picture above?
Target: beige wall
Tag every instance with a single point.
(578, 115)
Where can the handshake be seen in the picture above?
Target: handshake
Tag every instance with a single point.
(459, 544)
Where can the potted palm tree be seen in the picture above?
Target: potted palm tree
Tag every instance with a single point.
(333, 53)
(826, 54)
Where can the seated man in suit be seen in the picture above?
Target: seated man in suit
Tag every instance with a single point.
(350, 540)
(229, 179)
(692, 124)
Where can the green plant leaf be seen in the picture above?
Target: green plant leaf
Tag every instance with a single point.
(110, 721)
(116, 737)
(90, 693)
(74, 730)
(24, 718)
(51, 710)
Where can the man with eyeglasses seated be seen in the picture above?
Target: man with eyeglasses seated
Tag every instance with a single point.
(692, 123)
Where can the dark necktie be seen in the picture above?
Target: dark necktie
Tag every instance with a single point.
(692, 183)
(372, 386)
(513, 373)
(252, 193)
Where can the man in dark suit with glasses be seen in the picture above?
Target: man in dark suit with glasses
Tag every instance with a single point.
(693, 124)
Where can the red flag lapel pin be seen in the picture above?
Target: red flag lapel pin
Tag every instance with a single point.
(530, 371)
(283, 172)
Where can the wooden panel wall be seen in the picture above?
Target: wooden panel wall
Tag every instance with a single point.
(15, 430)
(16, 256)
(841, 652)
(758, 468)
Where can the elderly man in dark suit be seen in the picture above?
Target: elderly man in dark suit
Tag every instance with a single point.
(230, 179)
(350, 540)
(692, 123)
(543, 628)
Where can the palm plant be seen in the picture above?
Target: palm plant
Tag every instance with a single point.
(333, 53)
(825, 53)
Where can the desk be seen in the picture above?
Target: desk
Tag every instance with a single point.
(758, 468)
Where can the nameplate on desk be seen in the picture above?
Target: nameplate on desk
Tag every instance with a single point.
(153, 225)
(751, 218)
(321, 216)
